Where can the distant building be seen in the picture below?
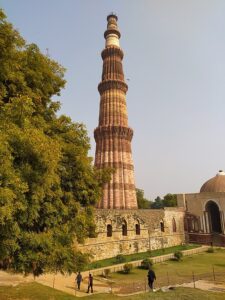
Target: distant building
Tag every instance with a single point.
(205, 212)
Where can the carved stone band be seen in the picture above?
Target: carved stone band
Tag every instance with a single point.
(112, 50)
(112, 84)
(117, 131)
(115, 165)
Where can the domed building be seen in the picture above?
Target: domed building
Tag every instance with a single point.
(215, 184)
(205, 212)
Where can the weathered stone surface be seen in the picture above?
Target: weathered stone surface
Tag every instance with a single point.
(151, 235)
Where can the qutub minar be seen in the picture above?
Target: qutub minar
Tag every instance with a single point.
(122, 228)
(113, 135)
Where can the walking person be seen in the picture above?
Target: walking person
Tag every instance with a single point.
(90, 283)
(151, 278)
(78, 280)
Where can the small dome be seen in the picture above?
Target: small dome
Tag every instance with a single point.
(215, 184)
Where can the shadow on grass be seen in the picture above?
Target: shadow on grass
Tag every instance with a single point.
(124, 273)
(220, 265)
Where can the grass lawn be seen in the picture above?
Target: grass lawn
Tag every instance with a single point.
(32, 291)
(35, 291)
(138, 256)
(172, 272)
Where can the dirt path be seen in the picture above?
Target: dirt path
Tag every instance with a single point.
(59, 282)
(67, 284)
(13, 279)
(212, 286)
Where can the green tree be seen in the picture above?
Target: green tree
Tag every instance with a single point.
(48, 185)
(170, 200)
(141, 200)
(25, 70)
(158, 203)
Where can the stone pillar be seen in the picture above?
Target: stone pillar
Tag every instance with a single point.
(222, 221)
(207, 222)
(201, 224)
(113, 135)
(204, 222)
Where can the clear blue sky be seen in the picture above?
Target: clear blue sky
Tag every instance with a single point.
(175, 60)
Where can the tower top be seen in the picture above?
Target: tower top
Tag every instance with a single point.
(112, 34)
(112, 15)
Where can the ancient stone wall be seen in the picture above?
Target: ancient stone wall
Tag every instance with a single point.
(134, 231)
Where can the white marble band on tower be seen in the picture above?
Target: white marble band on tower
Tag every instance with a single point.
(112, 33)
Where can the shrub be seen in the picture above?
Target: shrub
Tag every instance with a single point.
(210, 250)
(146, 263)
(178, 255)
(120, 259)
(106, 273)
(184, 246)
(127, 268)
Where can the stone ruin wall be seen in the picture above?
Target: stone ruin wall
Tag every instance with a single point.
(151, 236)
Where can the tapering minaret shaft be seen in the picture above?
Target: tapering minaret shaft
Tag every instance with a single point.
(113, 136)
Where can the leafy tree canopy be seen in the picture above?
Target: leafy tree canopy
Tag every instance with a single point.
(25, 70)
(158, 203)
(48, 186)
(169, 200)
(141, 200)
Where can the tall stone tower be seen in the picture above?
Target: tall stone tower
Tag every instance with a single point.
(113, 136)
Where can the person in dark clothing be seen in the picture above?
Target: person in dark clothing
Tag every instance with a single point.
(151, 277)
(78, 280)
(90, 283)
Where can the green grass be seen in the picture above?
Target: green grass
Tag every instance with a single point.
(35, 291)
(138, 256)
(173, 272)
(32, 291)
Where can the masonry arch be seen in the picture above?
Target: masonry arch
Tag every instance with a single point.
(213, 211)
(174, 225)
(124, 228)
(162, 227)
(138, 228)
(109, 230)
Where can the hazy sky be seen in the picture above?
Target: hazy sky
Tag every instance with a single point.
(175, 62)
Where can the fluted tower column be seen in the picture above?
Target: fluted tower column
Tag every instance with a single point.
(113, 136)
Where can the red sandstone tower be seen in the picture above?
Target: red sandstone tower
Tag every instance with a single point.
(113, 136)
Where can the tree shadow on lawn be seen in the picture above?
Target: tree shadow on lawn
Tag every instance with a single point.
(220, 265)
(123, 273)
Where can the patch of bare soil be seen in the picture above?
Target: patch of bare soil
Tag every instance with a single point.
(213, 286)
